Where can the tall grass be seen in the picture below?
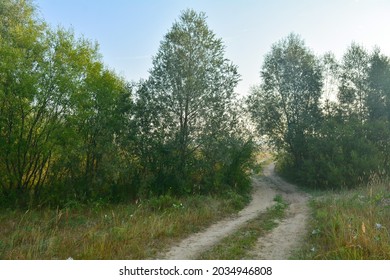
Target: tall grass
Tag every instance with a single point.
(99, 231)
(350, 225)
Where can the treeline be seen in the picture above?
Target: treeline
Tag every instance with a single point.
(328, 119)
(73, 130)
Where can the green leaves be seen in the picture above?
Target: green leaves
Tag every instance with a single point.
(57, 100)
(324, 142)
(73, 130)
(286, 105)
(187, 105)
(353, 89)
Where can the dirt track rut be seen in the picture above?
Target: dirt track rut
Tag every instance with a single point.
(275, 245)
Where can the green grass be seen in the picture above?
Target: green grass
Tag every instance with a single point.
(350, 225)
(239, 244)
(100, 231)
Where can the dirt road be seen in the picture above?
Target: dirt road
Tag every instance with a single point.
(278, 244)
(275, 245)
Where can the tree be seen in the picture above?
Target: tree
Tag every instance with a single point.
(191, 86)
(286, 105)
(330, 81)
(378, 79)
(94, 103)
(70, 129)
(60, 110)
(353, 88)
(378, 104)
(27, 113)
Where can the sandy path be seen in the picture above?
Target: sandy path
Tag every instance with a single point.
(278, 244)
(275, 245)
(190, 247)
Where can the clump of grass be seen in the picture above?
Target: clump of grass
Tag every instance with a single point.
(239, 244)
(137, 231)
(351, 225)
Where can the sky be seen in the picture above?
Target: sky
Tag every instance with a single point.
(129, 32)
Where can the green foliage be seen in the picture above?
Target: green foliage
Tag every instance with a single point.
(351, 144)
(72, 131)
(379, 86)
(60, 111)
(286, 105)
(163, 203)
(333, 144)
(339, 160)
(26, 121)
(353, 89)
(188, 136)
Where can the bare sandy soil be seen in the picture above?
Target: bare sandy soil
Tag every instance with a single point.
(278, 244)
(275, 245)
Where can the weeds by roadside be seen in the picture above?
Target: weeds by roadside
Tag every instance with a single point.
(103, 231)
(351, 225)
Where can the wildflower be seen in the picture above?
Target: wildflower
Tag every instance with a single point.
(178, 206)
(315, 231)
(313, 249)
(378, 226)
(69, 259)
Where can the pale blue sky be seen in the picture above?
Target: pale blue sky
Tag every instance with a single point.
(129, 32)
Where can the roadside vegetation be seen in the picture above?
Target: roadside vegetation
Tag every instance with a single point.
(107, 231)
(350, 225)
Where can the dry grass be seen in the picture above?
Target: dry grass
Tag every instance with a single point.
(351, 225)
(106, 231)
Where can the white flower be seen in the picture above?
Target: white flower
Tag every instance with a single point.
(69, 259)
(313, 249)
(378, 226)
(315, 231)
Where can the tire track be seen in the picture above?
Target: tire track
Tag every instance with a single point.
(275, 245)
